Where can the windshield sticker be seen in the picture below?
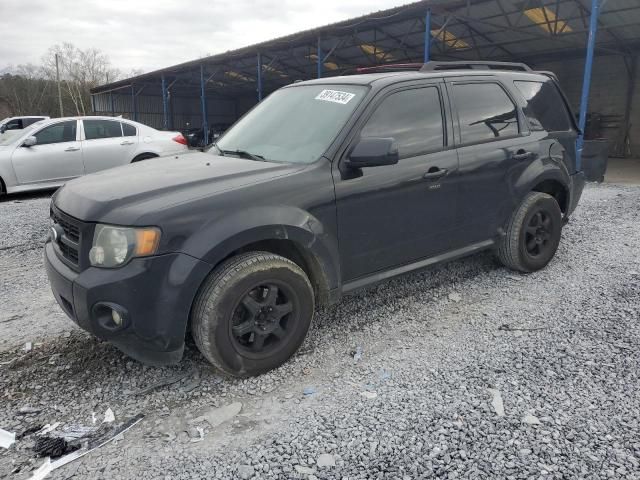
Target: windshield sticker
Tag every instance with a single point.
(335, 96)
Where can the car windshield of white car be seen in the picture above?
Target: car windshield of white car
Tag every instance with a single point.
(296, 124)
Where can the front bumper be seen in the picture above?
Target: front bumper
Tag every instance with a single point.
(155, 292)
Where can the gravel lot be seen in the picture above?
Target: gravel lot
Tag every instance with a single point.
(438, 356)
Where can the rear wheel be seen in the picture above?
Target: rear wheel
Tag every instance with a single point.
(252, 313)
(533, 233)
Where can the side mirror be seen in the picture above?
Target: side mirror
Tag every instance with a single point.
(29, 141)
(373, 152)
(3, 128)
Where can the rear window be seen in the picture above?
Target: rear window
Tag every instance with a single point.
(128, 130)
(94, 129)
(545, 108)
(485, 112)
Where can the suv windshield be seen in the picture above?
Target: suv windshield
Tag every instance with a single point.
(11, 136)
(293, 125)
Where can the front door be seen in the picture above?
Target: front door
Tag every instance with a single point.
(396, 214)
(56, 156)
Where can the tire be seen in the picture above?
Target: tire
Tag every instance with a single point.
(252, 313)
(144, 156)
(533, 234)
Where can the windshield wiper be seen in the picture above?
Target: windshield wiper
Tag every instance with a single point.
(243, 154)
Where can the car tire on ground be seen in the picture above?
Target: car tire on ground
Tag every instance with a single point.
(252, 313)
(533, 234)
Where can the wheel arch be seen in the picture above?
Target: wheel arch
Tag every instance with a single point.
(144, 156)
(287, 231)
(556, 189)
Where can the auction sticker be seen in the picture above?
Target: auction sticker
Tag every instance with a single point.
(335, 96)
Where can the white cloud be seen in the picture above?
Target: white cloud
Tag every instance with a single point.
(151, 34)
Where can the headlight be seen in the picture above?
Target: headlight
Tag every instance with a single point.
(115, 246)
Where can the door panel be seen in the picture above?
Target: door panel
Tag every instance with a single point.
(494, 149)
(57, 155)
(396, 214)
(104, 146)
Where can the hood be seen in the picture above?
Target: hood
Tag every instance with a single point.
(122, 195)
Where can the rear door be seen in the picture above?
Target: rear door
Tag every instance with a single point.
(396, 214)
(105, 146)
(494, 148)
(55, 157)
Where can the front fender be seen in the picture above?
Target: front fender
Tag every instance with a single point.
(216, 240)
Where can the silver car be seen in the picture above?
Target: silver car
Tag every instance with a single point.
(48, 153)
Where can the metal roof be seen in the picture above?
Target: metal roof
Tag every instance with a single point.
(531, 31)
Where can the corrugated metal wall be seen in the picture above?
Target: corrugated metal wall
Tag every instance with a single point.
(184, 112)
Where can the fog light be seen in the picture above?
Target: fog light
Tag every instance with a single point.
(116, 317)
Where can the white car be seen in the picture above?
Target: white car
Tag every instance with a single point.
(18, 123)
(48, 153)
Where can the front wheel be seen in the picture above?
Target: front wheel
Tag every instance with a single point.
(533, 233)
(252, 313)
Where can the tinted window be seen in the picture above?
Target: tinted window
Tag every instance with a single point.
(545, 108)
(128, 130)
(485, 112)
(58, 133)
(15, 124)
(101, 129)
(413, 118)
(28, 121)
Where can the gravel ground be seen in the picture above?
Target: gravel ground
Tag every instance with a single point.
(467, 370)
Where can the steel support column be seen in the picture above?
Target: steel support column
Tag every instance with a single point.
(259, 77)
(165, 104)
(427, 36)
(586, 81)
(134, 106)
(319, 53)
(93, 103)
(113, 109)
(203, 103)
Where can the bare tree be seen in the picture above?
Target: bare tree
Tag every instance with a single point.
(80, 71)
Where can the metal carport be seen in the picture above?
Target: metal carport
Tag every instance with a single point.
(219, 88)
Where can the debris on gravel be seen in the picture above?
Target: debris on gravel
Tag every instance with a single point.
(568, 357)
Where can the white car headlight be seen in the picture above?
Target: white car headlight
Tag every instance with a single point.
(114, 246)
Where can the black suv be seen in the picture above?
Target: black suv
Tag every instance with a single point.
(324, 187)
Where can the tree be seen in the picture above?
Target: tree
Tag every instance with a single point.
(80, 71)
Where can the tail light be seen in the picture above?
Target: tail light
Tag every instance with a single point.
(180, 139)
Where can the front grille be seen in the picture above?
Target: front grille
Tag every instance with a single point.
(70, 230)
(69, 245)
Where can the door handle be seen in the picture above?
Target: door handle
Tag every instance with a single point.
(126, 142)
(521, 155)
(435, 173)
(72, 149)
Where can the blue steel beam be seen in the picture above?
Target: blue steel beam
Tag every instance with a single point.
(259, 77)
(134, 106)
(165, 102)
(586, 81)
(427, 36)
(319, 54)
(203, 102)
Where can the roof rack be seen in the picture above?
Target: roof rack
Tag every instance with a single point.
(391, 67)
(475, 65)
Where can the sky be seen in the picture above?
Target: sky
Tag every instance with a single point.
(150, 34)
